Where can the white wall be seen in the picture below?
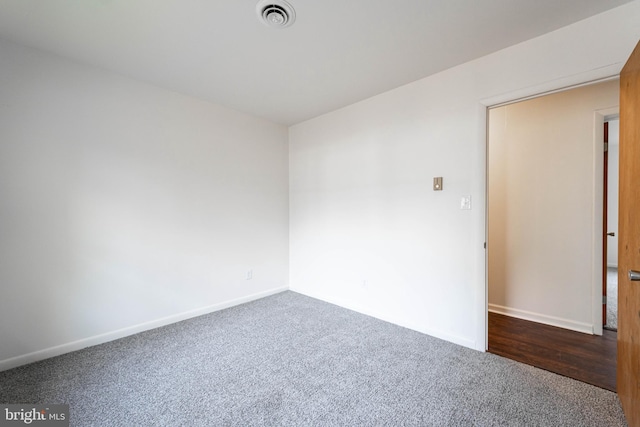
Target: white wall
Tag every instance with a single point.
(541, 198)
(366, 229)
(124, 206)
(612, 195)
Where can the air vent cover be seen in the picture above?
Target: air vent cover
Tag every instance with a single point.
(275, 13)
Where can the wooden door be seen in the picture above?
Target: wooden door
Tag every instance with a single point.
(629, 241)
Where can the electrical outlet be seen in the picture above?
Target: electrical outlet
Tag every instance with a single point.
(249, 274)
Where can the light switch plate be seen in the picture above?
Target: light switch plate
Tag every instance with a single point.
(465, 203)
(437, 183)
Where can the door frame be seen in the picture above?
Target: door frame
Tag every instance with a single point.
(600, 266)
(605, 221)
(586, 79)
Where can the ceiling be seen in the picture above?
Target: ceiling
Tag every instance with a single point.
(336, 53)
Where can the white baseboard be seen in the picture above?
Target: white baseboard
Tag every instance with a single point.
(400, 322)
(36, 356)
(573, 325)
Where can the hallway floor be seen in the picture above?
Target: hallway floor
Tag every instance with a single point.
(584, 357)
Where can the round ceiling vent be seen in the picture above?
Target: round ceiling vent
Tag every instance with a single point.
(276, 13)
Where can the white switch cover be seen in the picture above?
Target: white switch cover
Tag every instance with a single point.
(465, 203)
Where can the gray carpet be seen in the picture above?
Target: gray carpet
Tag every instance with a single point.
(612, 298)
(294, 361)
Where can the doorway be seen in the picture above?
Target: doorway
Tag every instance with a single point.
(545, 223)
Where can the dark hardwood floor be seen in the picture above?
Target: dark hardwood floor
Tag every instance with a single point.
(587, 358)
